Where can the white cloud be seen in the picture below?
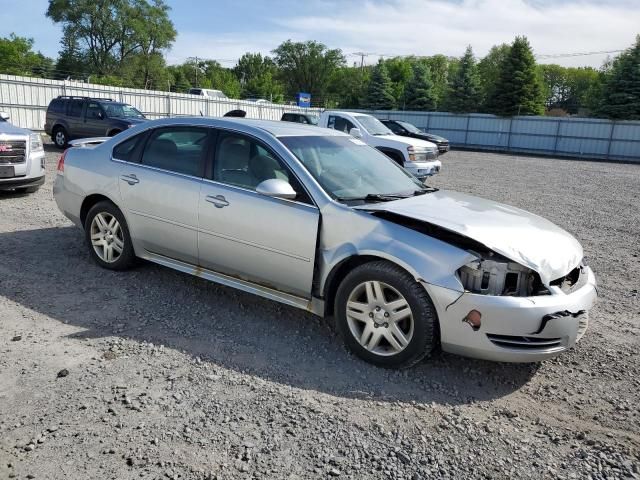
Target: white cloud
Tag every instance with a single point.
(427, 27)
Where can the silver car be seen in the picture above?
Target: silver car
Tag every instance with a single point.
(315, 219)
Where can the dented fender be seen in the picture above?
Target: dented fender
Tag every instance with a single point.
(346, 233)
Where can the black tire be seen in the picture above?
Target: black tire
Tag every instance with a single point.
(425, 329)
(60, 137)
(127, 257)
(28, 189)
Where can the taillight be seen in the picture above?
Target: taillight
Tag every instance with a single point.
(61, 162)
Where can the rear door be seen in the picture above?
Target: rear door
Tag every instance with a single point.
(75, 117)
(160, 191)
(94, 121)
(248, 235)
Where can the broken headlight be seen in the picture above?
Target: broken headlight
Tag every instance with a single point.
(500, 277)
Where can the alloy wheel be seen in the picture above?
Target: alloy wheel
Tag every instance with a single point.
(107, 237)
(380, 318)
(60, 138)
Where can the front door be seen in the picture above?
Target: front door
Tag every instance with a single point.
(160, 193)
(245, 234)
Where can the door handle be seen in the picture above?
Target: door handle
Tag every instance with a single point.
(130, 179)
(218, 200)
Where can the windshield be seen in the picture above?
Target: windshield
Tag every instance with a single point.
(410, 127)
(121, 110)
(373, 125)
(348, 169)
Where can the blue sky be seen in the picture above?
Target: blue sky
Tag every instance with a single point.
(224, 29)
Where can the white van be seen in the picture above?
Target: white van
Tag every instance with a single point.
(207, 92)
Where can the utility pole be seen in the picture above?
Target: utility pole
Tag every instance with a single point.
(361, 55)
(196, 67)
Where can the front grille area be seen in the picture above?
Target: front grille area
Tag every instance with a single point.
(524, 343)
(12, 151)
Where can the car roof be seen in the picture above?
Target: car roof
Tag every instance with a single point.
(274, 127)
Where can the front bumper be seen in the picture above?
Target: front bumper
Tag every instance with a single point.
(512, 328)
(443, 147)
(423, 170)
(25, 182)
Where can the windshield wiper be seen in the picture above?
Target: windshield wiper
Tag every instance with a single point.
(375, 197)
(424, 190)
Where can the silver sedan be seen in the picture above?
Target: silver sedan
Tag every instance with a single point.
(316, 219)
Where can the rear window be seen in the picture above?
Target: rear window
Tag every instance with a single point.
(195, 91)
(125, 150)
(57, 106)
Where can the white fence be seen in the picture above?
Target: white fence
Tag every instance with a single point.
(26, 99)
(591, 138)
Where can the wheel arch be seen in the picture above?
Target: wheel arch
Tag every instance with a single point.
(346, 265)
(90, 201)
(114, 131)
(393, 153)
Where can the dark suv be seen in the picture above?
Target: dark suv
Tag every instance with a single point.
(82, 117)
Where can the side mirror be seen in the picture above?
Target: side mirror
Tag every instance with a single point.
(4, 116)
(276, 187)
(355, 132)
(100, 115)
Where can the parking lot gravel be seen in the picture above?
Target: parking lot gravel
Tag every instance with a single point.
(155, 374)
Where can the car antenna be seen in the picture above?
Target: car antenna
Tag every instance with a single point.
(201, 113)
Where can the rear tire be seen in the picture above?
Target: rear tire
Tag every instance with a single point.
(385, 317)
(108, 238)
(60, 137)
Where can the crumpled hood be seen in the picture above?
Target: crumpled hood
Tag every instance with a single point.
(521, 236)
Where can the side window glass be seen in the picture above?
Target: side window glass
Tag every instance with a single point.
(75, 108)
(348, 126)
(244, 162)
(93, 111)
(125, 150)
(177, 149)
(331, 122)
(57, 106)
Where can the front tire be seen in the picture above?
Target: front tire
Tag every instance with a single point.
(107, 237)
(384, 316)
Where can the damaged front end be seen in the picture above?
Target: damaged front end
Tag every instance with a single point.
(503, 310)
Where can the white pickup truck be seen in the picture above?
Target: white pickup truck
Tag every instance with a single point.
(417, 156)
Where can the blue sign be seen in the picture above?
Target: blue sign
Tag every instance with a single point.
(304, 99)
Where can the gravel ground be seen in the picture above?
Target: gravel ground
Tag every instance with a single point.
(155, 374)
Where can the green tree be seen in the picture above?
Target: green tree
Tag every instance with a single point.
(109, 32)
(518, 90)
(440, 68)
(257, 75)
(419, 93)
(18, 58)
(400, 70)
(348, 87)
(380, 92)
(464, 91)
(621, 87)
(307, 67)
(489, 69)
(213, 75)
